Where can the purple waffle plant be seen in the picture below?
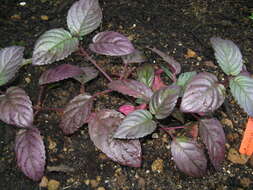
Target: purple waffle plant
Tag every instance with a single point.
(117, 133)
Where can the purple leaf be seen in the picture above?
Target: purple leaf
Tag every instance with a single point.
(30, 153)
(10, 61)
(59, 73)
(111, 43)
(84, 17)
(101, 130)
(126, 109)
(76, 113)
(89, 73)
(132, 88)
(136, 125)
(228, 55)
(135, 57)
(203, 94)
(173, 64)
(163, 101)
(189, 157)
(158, 82)
(54, 45)
(16, 108)
(212, 134)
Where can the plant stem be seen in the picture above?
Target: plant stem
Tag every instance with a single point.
(101, 93)
(26, 62)
(173, 128)
(48, 109)
(88, 57)
(82, 89)
(123, 72)
(167, 131)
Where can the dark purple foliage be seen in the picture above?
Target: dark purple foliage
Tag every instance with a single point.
(111, 43)
(101, 129)
(135, 57)
(189, 157)
(10, 61)
(84, 16)
(132, 88)
(212, 134)
(76, 113)
(16, 108)
(30, 153)
(59, 73)
(203, 94)
(173, 64)
(89, 73)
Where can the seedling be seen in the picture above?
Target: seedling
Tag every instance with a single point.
(196, 94)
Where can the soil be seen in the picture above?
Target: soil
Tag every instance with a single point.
(170, 25)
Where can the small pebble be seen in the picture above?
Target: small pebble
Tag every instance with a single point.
(237, 158)
(44, 182)
(157, 165)
(155, 136)
(53, 184)
(100, 188)
(44, 17)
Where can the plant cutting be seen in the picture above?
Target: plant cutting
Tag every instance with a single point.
(117, 133)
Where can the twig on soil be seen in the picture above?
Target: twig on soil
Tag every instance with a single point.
(88, 57)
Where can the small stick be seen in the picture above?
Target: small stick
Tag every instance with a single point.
(88, 57)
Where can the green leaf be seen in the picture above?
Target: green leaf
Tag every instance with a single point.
(228, 55)
(184, 79)
(136, 125)
(242, 89)
(54, 45)
(146, 74)
(163, 101)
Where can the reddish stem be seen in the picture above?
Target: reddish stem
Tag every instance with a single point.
(88, 57)
(82, 89)
(124, 71)
(101, 93)
(172, 128)
(38, 108)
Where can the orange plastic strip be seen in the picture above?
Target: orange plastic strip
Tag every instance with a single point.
(247, 141)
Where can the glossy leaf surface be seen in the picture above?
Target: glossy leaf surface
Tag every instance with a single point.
(146, 74)
(111, 43)
(242, 89)
(136, 125)
(88, 74)
(30, 153)
(16, 108)
(132, 88)
(84, 17)
(185, 78)
(212, 134)
(59, 73)
(189, 157)
(76, 113)
(173, 64)
(10, 61)
(136, 57)
(101, 130)
(54, 45)
(203, 94)
(228, 55)
(163, 101)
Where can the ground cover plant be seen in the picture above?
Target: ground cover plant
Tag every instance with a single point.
(197, 94)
